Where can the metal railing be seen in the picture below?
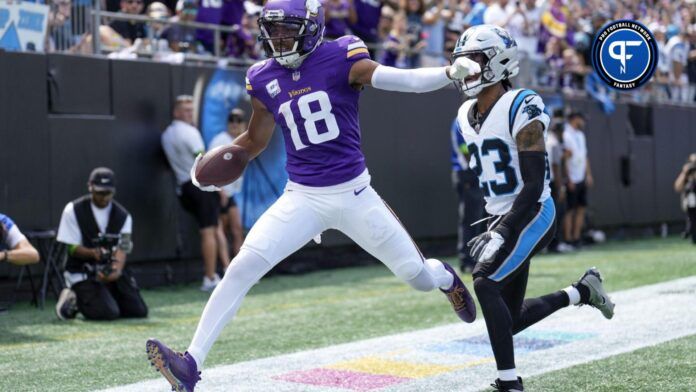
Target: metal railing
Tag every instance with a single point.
(218, 31)
(87, 17)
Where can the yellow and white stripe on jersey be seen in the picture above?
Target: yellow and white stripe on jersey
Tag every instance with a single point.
(356, 48)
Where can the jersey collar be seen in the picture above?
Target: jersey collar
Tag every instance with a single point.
(476, 125)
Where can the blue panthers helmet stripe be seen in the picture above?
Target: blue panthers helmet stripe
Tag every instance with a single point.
(516, 105)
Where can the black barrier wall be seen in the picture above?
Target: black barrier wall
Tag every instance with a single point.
(63, 115)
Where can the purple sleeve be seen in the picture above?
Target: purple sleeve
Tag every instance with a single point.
(354, 48)
(257, 83)
(252, 87)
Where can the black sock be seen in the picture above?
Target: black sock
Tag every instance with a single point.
(584, 292)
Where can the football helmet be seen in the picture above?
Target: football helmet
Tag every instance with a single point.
(495, 51)
(291, 30)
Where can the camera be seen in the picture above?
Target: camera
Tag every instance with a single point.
(109, 244)
(691, 168)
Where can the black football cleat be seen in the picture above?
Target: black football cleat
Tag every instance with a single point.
(508, 386)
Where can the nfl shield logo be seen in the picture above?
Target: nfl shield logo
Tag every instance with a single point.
(296, 76)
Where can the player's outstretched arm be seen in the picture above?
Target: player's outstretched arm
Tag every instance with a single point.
(532, 155)
(420, 80)
(255, 139)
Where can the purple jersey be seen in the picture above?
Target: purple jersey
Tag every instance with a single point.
(240, 44)
(336, 12)
(369, 13)
(218, 12)
(232, 12)
(390, 55)
(317, 110)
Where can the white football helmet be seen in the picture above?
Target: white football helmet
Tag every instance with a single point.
(499, 52)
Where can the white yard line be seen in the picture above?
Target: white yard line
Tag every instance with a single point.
(457, 356)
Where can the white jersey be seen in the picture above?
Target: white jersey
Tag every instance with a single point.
(493, 147)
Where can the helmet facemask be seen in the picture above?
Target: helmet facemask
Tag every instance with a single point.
(283, 38)
(471, 87)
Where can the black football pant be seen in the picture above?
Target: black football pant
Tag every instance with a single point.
(501, 284)
(108, 301)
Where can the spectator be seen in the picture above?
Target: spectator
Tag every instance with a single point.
(396, 44)
(554, 23)
(415, 9)
(554, 62)
(241, 44)
(386, 23)
(61, 36)
(183, 38)
(691, 62)
(217, 12)
(435, 20)
(495, 13)
(99, 286)
(367, 13)
(659, 85)
(182, 142)
(233, 11)
(130, 30)
(470, 198)
(685, 185)
(231, 218)
(14, 246)
(475, 17)
(573, 71)
(557, 166)
(338, 14)
(598, 20)
(677, 50)
(159, 11)
(579, 177)
(523, 24)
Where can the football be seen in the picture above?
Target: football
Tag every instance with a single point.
(222, 165)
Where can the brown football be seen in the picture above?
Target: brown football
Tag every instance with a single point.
(222, 165)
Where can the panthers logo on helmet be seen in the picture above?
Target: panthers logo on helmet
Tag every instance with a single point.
(532, 111)
(505, 36)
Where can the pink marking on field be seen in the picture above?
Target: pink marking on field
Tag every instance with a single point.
(356, 381)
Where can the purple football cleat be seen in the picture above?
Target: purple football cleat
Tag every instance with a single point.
(459, 297)
(179, 369)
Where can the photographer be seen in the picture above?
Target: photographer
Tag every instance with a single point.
(97, 231)
(686, 186)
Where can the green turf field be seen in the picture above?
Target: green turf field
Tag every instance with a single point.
(290, 313)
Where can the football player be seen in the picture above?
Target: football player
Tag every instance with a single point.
(505, 131)
(311, 88)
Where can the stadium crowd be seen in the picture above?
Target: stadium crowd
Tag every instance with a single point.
(554, 36)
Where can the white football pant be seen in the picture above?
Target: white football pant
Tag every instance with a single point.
(292, 221)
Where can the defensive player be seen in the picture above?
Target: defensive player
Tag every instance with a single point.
(311, 89)
(505, 132)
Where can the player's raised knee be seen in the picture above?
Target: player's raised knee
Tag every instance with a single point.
(484, 286)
